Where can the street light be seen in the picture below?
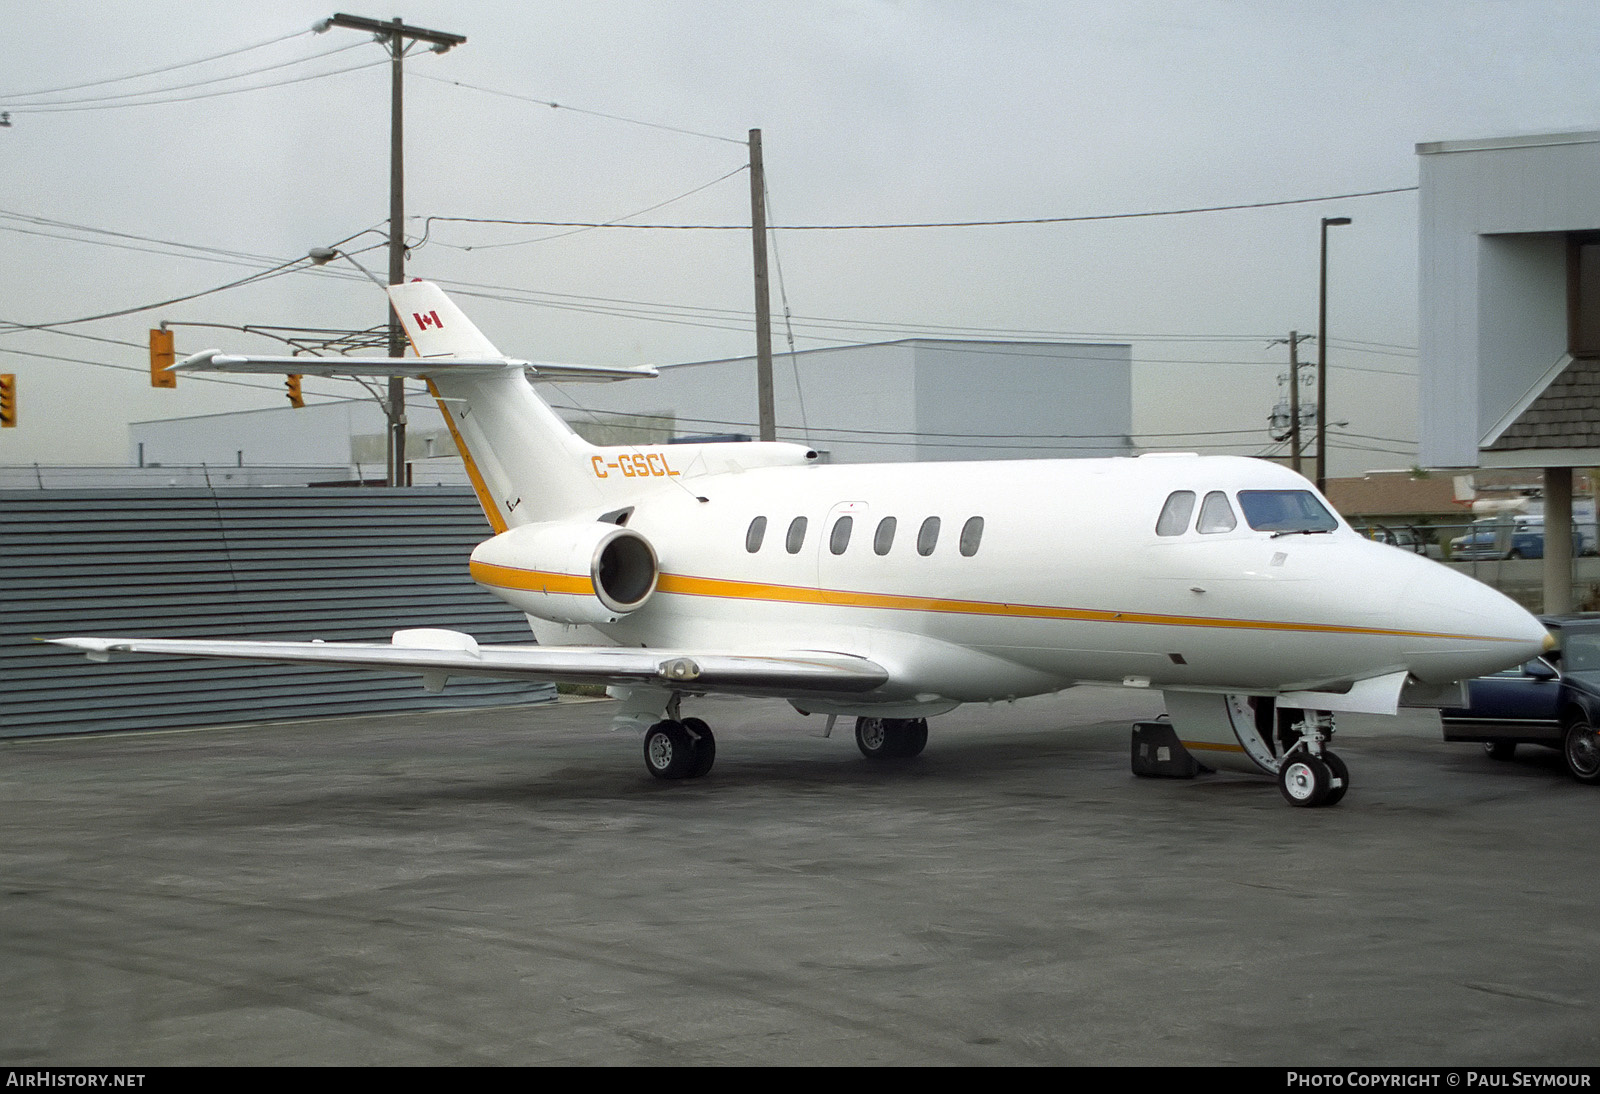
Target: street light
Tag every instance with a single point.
(396, 37)
(321, 256)
(1322, 355)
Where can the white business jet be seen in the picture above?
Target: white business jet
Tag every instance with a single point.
(892, 593)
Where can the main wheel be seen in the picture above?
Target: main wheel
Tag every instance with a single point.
(1581, 749)
(1304, 779)
(1339, 778)
(668, 750)
(875, 737)
(1500, 750)
(705, 747)
(915, 738)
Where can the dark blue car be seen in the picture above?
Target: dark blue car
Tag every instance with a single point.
(1552, 700)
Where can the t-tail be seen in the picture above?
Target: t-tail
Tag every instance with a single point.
(525, 463)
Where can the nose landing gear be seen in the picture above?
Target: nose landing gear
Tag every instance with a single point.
(1309, 774)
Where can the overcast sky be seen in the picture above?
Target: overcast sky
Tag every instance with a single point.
(871, 112)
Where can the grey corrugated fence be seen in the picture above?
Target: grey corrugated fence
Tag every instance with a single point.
(233, 563)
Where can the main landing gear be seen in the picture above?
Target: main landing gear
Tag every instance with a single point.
(891, 738)
(679, 750)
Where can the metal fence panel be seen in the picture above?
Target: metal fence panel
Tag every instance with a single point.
(264, 562)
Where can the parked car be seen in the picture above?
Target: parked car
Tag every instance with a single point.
(1404, 536)
(1494, 537)
(1552, 701)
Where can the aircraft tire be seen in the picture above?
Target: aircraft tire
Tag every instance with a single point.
(1338, 774)
(1304, 780)
(705, 747)
(879, 738)
(1580, 747)
(668, 750)
(915, 738)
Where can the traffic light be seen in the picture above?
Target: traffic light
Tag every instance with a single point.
(292, 382)
(8, 400)
(161, 358)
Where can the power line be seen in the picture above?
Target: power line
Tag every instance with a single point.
(937, 224)
(8, 328)
(154, 71)
(204, 95)
(581, 110)
(714, 318)
(198, 377)
(46, 106)
(428, 222)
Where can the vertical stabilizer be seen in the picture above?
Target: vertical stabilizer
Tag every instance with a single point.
(525, 463)
(436, 327)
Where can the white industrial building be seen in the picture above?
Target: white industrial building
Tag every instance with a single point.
(1510, 315)
(918, 399)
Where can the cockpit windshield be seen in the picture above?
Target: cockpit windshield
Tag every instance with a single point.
(1285, 511)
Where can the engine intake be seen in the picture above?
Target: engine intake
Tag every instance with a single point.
(569, 571)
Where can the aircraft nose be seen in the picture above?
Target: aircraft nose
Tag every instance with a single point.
(1462, 628)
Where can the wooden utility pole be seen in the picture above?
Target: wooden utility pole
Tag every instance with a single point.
(1294, 401)
(397, 36)
(758, 228)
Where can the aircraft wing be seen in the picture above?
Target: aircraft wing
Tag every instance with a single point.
(439, 654)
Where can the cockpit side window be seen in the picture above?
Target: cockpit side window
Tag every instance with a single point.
(1285, 511)
(1175, 514)
(1216, 515)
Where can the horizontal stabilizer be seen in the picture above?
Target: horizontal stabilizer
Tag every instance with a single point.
(436, 654)
(212, 360)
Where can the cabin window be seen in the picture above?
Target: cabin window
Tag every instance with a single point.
(928, 536)
(840, 539)
(1216, 515)
(1175, 514)
(883, 539)
(971, 536)
(1285, 511)
(797, 535)
(757, 532)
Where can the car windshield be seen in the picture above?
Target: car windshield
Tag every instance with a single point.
(1580, 651)
(1285, 511)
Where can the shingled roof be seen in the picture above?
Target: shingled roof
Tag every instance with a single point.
(1565, 415)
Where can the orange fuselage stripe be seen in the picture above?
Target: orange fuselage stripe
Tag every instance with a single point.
(507, 577)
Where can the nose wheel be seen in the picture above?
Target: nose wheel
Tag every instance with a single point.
(1309, 774)
(1308, 781)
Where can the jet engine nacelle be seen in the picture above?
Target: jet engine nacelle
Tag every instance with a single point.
(569, 571)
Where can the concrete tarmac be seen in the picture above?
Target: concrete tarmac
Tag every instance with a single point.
(510, 887)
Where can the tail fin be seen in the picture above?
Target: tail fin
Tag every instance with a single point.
(436, 327)
(525, 463)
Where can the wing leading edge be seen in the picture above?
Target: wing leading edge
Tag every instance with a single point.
(439, 654)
